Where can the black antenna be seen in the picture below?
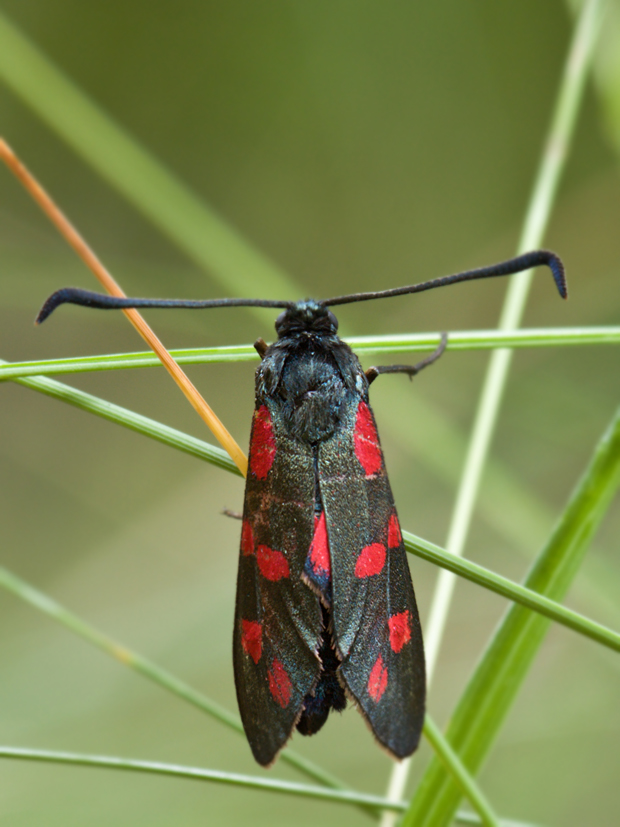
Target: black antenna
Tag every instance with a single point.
(504, 268)
(86, 298)
(101, 301)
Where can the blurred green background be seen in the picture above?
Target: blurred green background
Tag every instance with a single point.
(358, 146)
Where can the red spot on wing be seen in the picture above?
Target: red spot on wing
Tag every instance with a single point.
(319, 550)
(279, 683)
(370, 561)
(272, 564)
(400, 630)
(263, 446)
(252, 638)
(366, 440)
(378, 680)
(247, 539)
(394, 535)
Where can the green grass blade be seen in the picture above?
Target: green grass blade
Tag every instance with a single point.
(521, 524)
(124, 361)
(236, 779)
(41, 601)
(20, 588)
(135, 422)
(463, 817)
(520, 518)
(513, 591)
(459, 773)
(551, 166)
(276, 785)
(199, 774)
(416, 545)
(405, 343)
(136, 174)
(506, 661)
(488, 339)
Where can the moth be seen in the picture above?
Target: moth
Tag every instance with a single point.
(325, 608)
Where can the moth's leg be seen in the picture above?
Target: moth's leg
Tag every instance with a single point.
(410, 370)
(260, 346)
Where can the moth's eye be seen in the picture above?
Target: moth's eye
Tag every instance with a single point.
(333, 320)
(280, 319)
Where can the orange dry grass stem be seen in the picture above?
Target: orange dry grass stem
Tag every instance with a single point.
(80, 246)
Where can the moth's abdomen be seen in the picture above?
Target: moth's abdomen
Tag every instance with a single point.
(328, 694)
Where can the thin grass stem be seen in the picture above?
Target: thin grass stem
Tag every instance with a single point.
(405, 343)
(513, 591)
(507, 659)
(453, 764)
(134, 421)
(109, 283)
(415, 545)
(41, 601)
(236, 779)
(551, 166)
(45, 604)
(336, 796)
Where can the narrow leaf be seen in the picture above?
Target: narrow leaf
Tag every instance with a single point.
(403, 343)
(415, 545)
(493, 686)
(136, 422)
(41, 601)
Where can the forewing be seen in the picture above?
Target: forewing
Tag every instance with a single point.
(375, 617)
(277, 617)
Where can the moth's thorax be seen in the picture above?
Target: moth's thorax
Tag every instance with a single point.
(307, 375)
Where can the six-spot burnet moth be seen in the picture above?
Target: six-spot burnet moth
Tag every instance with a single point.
(325, 607)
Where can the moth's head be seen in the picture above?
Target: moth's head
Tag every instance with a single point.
(306, 316)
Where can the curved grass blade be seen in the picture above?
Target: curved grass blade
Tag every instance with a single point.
(550, 169)
(79, 245)
(513, 591)
(135, 661)
(41, 601)
(463, 779)
(133, 421)
(492, 688)
(415, 545)
(405, 343)
(335, 796)
(236, 779)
